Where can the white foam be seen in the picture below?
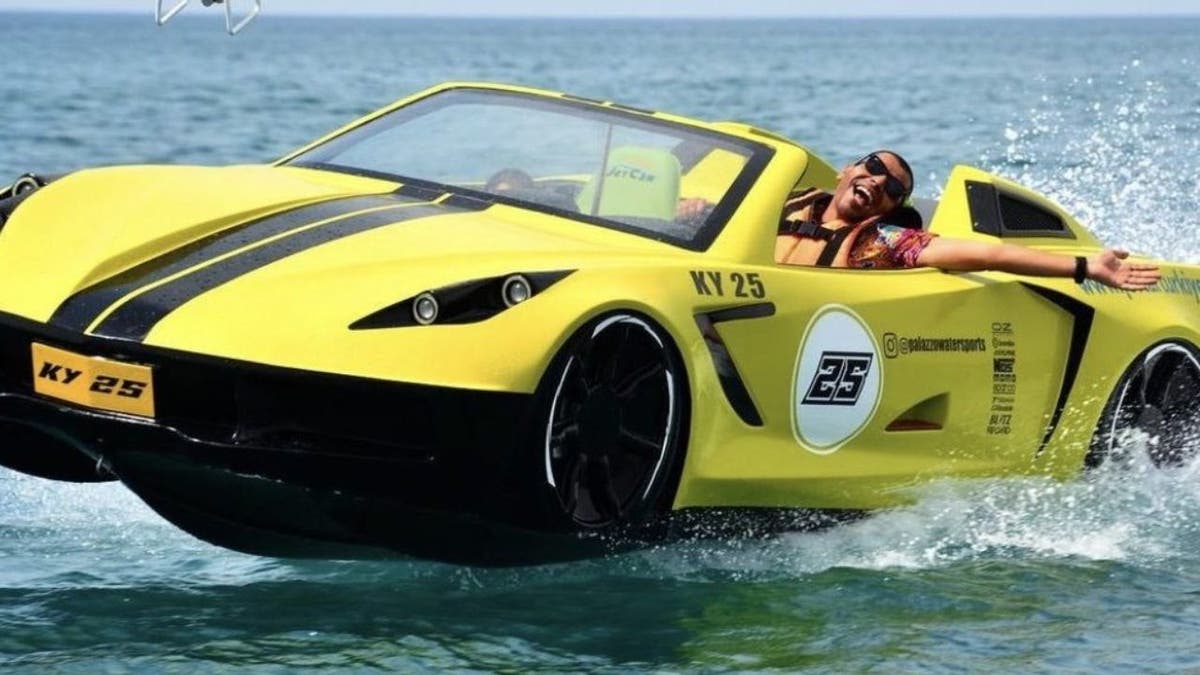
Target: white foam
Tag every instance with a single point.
(1120, 158)
(1134, 513)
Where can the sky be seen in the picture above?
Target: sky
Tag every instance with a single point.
(681, 8)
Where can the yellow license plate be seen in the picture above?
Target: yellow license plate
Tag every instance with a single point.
(92, 381)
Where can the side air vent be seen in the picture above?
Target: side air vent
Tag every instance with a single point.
(727, 373)
(1021, 216)
(1001, 214)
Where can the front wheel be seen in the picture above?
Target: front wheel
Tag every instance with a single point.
(615, 407)
(1159, 396)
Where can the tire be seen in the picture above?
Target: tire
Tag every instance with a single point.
(613, 416)
(1158, 395)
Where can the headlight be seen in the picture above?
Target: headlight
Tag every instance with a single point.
(516, 289)
(425, 308)
(468, 302)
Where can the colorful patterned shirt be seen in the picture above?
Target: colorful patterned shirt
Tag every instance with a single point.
(884, 246)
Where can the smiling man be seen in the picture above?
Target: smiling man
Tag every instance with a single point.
(849, 228)
(828, 229)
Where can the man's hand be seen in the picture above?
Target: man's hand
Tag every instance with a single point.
(691, 207)
(1110, 268)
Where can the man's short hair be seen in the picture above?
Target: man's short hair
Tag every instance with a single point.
(512, 178)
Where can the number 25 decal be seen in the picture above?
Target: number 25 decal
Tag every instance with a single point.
(751, 280)
(748, 285)
(105, 384)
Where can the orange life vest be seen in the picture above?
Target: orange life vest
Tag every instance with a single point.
(801, 220)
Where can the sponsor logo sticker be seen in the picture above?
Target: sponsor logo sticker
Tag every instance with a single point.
(1004, 378)
(838, 380)
(894, 346)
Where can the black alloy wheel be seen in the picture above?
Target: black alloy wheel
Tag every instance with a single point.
(613, 434)
(1160, 396)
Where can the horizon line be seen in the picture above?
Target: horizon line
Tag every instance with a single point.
(483, 15)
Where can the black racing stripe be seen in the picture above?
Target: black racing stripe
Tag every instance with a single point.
(134, 319)
(81, 309)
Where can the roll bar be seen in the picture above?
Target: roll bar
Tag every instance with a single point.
(161, 17)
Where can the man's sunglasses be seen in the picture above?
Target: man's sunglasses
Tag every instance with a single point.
(893, 186)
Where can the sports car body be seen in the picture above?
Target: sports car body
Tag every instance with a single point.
(474, 326)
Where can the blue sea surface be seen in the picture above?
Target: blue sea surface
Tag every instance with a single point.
(1097, 575)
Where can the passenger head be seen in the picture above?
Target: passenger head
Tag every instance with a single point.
(506, 180)
(872, 186)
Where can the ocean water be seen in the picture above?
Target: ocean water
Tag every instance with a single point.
(1096, 574)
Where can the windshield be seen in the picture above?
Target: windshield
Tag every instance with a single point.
(608, 167)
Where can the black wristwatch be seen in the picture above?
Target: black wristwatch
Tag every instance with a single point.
(1080, 269)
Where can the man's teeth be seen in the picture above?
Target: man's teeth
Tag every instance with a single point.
(859, 190)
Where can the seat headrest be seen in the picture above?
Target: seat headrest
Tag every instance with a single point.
(905, 216)
(638, 182)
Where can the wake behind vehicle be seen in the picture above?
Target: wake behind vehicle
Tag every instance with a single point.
(475, 327)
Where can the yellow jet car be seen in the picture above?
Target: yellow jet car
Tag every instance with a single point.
(474, 327)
